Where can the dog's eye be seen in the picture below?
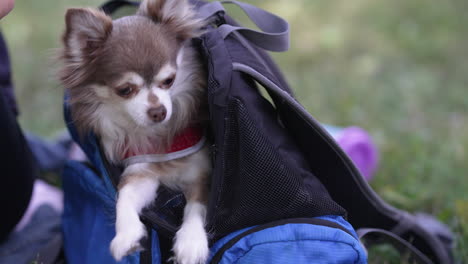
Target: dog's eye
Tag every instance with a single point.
(125, 91)
(167, 83)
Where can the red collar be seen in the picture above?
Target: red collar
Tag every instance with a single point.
(185, 140)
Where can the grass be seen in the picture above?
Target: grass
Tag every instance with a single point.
(396, 68)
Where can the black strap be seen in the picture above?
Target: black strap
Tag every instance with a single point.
(375, 234)
(146, 256)
(113, 5)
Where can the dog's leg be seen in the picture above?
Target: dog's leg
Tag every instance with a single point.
(137, 190)
(191, 242)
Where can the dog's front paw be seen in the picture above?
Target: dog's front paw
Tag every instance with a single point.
(127, 242)
(191, 245)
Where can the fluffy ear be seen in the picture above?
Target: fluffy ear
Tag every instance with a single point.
(176, 14)
(86, 31)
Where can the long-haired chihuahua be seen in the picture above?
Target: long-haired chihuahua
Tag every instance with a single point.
(139, 85)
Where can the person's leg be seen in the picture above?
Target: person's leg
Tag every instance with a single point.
(50, 155)
(18, 170)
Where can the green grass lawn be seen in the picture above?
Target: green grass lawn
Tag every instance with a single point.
(397, 68)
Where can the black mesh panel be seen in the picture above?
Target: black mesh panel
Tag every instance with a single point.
(259, 185)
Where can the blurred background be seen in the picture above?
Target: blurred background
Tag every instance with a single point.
(398, 69)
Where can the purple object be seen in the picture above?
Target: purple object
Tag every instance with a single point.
(358, 144)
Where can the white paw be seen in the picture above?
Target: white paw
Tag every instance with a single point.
(127, 242)
(191, 245)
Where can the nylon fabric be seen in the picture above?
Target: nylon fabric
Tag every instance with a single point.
(210, 9)
(88, 224)
(90, 146)
(295, 243)
(275, 30)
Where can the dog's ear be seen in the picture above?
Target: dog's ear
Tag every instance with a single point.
(86, 31)
(176, 14)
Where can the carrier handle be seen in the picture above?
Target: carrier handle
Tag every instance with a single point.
(274, 34)
(396, 241)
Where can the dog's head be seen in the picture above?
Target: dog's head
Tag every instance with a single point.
(126, 72)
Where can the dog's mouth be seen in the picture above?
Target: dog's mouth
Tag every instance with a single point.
(156, 125)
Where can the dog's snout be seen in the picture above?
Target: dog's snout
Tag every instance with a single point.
(157, 114)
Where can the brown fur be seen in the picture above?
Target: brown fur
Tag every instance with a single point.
(110, 48)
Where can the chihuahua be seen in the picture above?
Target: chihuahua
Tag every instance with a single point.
(139, 85)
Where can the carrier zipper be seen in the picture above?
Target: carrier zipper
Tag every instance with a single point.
(313, 221)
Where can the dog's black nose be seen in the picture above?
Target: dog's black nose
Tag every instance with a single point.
(157, 114)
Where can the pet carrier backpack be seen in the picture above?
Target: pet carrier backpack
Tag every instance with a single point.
(282, 191)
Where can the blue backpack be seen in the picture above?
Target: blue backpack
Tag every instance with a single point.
(282, 191)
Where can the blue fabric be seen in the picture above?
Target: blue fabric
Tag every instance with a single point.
(156, 254)
(220, 243)
(340, 220)
(88, 218)
(295, 243)
(90, 146)
(88, 227)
